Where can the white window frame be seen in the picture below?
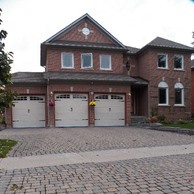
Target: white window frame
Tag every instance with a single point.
(82, 61)
(179, 86)
(110, 65)
(165, 61)
(182, 68)
(163, 85)
(62, 65)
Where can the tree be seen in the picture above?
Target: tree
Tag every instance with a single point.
(6, 59)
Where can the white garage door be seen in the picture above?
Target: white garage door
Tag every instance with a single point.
(71, 110)
(29, 111)
(109, 110)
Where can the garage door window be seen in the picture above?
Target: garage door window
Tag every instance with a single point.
(21, 98)
(35, 98)
(116, 97)
(79, 96)
(62, 96)
(102, 97)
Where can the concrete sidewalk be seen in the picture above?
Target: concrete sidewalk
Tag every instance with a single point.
(93, 156)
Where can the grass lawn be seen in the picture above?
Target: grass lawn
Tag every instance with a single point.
(187, 126)
(5, 146)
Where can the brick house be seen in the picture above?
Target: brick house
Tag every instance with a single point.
(84, 63)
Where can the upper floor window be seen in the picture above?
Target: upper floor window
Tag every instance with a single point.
(87, 61)
(178, 62)
(67, 60)
(162, 93)
(105, 62)
(179, 94)
(163, 61)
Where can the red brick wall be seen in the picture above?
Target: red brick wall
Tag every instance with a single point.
(54, 61)
(75, 35)
(147, 65)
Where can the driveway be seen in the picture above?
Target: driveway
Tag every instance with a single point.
(40, 141)
(154, 175)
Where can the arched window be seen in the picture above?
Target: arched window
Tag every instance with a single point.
(179, 94)
(162, 93)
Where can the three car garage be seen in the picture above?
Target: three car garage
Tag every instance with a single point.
(71, 110)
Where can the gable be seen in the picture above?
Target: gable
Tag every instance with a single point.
(85, 30)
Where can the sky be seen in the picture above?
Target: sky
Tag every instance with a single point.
(133, 22)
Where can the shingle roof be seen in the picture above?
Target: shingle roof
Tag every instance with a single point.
(28, 77)
(161, 42)
(132, 50)
(100, 77)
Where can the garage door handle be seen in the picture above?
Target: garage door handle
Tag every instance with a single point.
(16, 121)
(121, 119)
(96, 119)
(57, 119)
(84, 119)
(41, 120)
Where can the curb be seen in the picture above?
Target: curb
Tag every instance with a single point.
(171, 129)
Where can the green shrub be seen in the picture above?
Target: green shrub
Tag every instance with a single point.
(161, 118)
(180, 121)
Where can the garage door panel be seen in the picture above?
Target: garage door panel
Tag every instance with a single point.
(29, 111)
(71, 110)
(109, 110)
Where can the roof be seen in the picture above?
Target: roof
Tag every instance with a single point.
(28, 77)
(41, 77)
(159, 42)
(100, 77)
(132, 50)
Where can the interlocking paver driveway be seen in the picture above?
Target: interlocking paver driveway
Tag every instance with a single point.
(157, 175)
(172, 174)
(61, 140)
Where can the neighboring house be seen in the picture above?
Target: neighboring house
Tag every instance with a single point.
(192, 87)
(84, 63)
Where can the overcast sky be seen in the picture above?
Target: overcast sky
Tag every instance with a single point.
(133, 22)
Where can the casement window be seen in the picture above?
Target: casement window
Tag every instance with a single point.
(179, 94)
(87, 61)
(105, 62)
(178, 62)
(162, 93)
(162, 61)
(67, 60)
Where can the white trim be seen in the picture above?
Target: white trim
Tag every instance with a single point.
(163, 85)
(91, 61)
(165, 61)
(182, 68)
(110, 64)
(179, 86)
(62, 66)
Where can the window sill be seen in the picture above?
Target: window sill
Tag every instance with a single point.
(87, 68)
(160, 68)
(106, 69)
(179, 70)
(67, 68)
(164, 105)
(179, 106)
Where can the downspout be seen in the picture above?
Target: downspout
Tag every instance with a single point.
(149, 100)
(48, 112)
